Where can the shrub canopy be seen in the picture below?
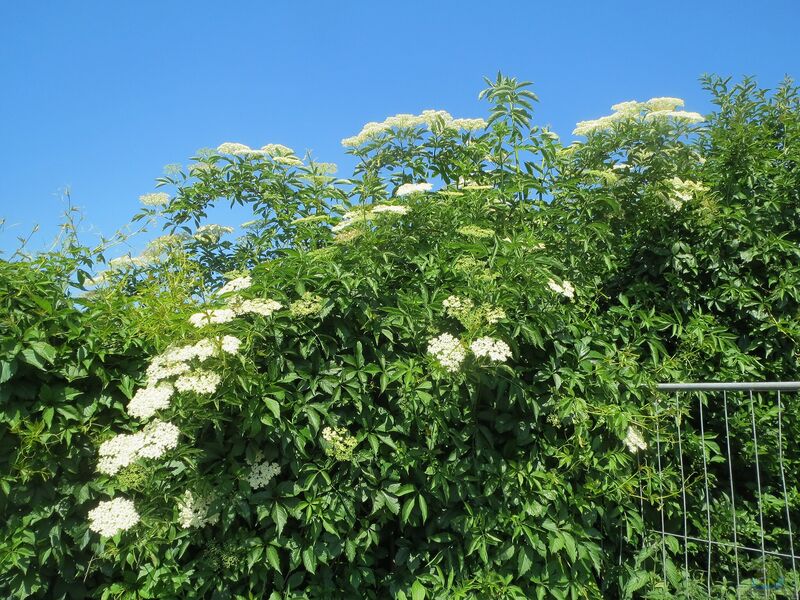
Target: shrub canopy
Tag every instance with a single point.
(402, 390)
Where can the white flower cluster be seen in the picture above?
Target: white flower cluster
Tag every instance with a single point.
(126, 261)
(448, 350)
(236, 149)
(155, 199)
(653, 109)
(494, 350)
(211, 233)
(262, 473)
(265, 308)
(199, 382)
(112, 516)
(353, 216)
(429, 118)
(340, 443)
(565, 288)
(162, 244)
(235, 285)
(493, 315)
(146, 401)
(292, 161)
(683, 190)
(123, 449)
(413, 188)
(457, 307)
(212, 316)
(277, 150)
(194, 511)
(162, 367)
(385, 208)
(634, 440)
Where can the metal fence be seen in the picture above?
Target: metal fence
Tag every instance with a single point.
(714, 493)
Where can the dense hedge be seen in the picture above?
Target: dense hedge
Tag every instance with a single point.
(331, 442)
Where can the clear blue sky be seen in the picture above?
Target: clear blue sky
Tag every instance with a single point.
(98, 96)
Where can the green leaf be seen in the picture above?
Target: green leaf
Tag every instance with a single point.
(310, 559)
(418, 591)
(273, 406)
(279, 516)
(423, 507)
(273, 558)
(523, 562)
(408, 506)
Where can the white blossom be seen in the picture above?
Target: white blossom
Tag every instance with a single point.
(277, 150)
(262, 473)
(236, 149)
(634, 440)
(155, 199)
(194, 511)
(199, 382)
(411, 188)
(207, 317)
(146, 401)
(112, 516)
(487, 347)
(458, 308)
(565, 288)
(211, 233)
(664, 103)
(123, 449)
(161, 367)
(235, 285)
(448, 350)
(265, 308)
(159, 436)
(385, 208)
(230, 344)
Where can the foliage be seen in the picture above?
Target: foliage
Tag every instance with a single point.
(343, 453)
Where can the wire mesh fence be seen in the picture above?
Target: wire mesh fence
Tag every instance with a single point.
(720, 494)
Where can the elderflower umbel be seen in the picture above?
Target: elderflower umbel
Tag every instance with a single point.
(211, 233)
(448, 350)
(112, 516)
(340, 443)
(159, 436)
(494, 350)
(308, 304)
(230, 344)
(493, 315)
(235, 285)
(162, 367)
(385, 208)
(236, 149)
(207, 317)
(199, 382)
(121, 450)
(146, 401)
(262, 473)
(194, 511)
(475, 231)
(154, 199)
(265, 308)
(413, 188)
(565, 289)
(634, 440)
(457, 307)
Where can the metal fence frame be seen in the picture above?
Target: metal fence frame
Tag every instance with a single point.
(748, 388)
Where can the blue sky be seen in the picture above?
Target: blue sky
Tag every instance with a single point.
(97, 97)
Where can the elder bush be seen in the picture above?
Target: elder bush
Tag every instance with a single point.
(432, 379)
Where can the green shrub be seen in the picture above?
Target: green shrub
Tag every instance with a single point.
(400, 392)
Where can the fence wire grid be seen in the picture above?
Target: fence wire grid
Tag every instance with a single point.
(714, 499)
